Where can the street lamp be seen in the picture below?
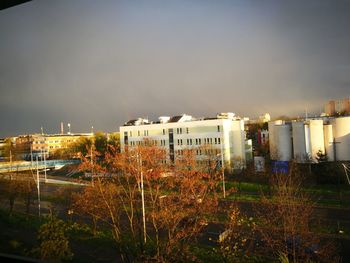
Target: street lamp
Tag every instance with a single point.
(142, 198)
(223, 169)
(38, 182)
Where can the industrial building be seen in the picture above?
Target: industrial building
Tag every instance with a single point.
(304, 140)
(224, 135)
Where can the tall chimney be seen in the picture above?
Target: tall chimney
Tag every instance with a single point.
(62, 129)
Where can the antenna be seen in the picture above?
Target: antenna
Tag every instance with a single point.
(306, 113)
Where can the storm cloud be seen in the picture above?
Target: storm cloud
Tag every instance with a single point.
(101, 63)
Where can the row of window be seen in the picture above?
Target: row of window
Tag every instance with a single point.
(209, 152)
(57, 141)
(198, 141)
(178, 131)
(51, 147)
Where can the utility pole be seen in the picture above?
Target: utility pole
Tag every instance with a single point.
(334, 149)
(10, 161)
(45, 167)
(38, 182)
(223, 168)
(335, 160)
(92, 166)
(143, 201)
(31, 157)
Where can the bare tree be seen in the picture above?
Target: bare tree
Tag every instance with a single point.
(285, 219)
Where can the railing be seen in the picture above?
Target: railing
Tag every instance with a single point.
(25, 165)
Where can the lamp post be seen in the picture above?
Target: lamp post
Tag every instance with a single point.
(38, 182)
(45, 166)
(142, 199)
(223, 170)
(92, 165)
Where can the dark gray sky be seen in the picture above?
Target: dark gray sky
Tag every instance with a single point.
(101, 63)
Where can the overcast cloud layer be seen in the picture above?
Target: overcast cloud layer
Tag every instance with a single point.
(101, 63)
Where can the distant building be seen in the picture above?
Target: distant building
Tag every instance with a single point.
(224, 135)
(2, 149)
(33, 145)
(264, 118)
(263, 136)
(336, 107)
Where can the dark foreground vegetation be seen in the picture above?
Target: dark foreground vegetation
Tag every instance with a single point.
(136, 208)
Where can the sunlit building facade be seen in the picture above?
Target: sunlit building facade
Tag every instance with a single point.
(223, 135)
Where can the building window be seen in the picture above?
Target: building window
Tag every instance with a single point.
(219, 141)
(190, 141)
(130, 133)
(216, 140)
(196, 141)
(200, 141)
(163, 131)
(187, 130)
(138, 133)
(211, 140)
(218, 128)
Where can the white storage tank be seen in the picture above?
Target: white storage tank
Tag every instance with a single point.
(272, 138)
(299, 143)
(341, 132)
(328, 141)
(316, 138)
(283, 136)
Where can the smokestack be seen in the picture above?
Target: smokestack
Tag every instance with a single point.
(62, 129)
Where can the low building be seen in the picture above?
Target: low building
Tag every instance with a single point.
(224, 134)
(36, 145)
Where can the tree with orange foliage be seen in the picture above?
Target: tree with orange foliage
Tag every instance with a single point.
(177, 199)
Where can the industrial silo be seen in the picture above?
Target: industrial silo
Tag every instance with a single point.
(316, 138)
(328, 141)
(299, 144)
(283, 140)
(341, 132)
(272, 138)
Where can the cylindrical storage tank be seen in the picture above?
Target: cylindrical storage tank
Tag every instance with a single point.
(316, 138)
(283, 135)
(341, 132)
(272, 144)
(299, 149)
(328, 141)
(272, 138)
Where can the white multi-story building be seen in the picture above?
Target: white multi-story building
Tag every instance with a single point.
(224, 135)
